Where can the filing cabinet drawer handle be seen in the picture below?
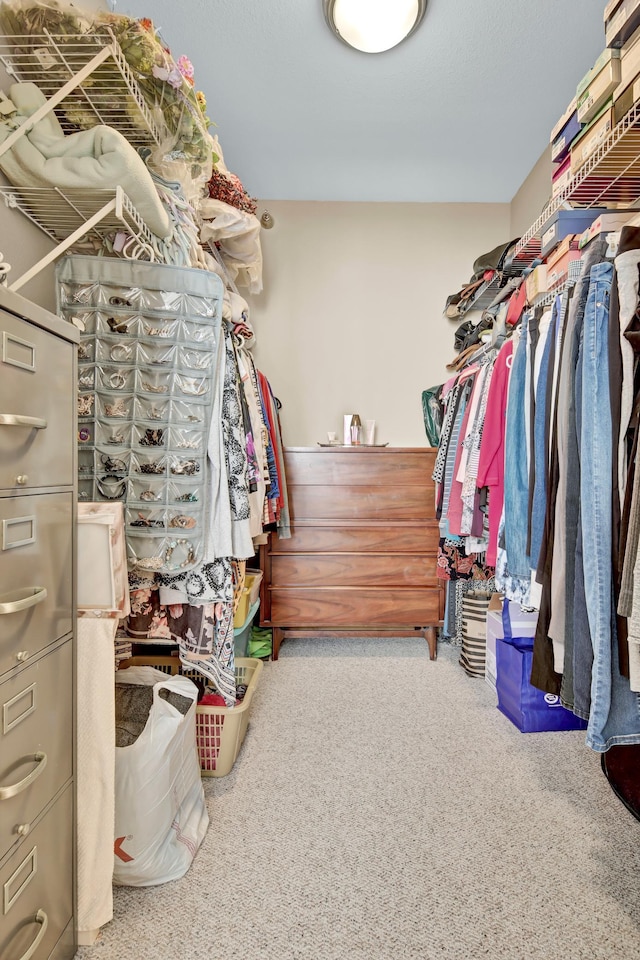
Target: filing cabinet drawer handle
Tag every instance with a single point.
(34, 596)
(41, 759)
(43, 920)
(14, 420)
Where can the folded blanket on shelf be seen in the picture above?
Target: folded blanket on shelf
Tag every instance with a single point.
(95, 159)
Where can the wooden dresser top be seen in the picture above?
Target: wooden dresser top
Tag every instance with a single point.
(362, 448)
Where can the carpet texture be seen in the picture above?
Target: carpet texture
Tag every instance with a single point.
(382, 807)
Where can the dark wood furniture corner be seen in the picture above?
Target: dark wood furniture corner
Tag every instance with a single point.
(362, 556)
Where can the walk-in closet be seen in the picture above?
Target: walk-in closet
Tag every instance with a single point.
(319, 483)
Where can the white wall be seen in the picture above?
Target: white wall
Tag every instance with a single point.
(351, 319)
(531, 198)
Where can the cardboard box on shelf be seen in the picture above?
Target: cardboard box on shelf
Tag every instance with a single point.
(606, 223)
(561, 177)
(598, 85)
(536, 282)
(559, 259)
(564, 133)
(622, 22)
(629, 61)
(592, 137)
(626, 100)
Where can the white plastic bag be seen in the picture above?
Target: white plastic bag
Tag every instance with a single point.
(161, 817)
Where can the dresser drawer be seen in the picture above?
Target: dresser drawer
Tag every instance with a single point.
(414, 538)
(354, 607)
(36, 736)
(36, 383)
(36, 552)
(360, 467)
(353, 571)
(36, 886)
(307, 502)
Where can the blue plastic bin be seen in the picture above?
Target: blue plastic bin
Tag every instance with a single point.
(242, 634)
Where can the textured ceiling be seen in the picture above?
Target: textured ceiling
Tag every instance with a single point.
(459, 112)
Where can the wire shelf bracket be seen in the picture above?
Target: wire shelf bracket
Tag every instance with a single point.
(70, 216)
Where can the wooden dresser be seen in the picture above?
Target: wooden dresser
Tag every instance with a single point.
(361, 560)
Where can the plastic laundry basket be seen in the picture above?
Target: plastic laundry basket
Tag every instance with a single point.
(220, 731)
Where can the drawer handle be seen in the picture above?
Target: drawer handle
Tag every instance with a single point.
(34, 596)
(40, 759)
(14, 420)
(43, 920)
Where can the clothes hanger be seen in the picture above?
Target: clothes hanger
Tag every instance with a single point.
(136, 249)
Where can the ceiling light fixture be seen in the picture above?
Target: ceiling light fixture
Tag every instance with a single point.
(373, 26)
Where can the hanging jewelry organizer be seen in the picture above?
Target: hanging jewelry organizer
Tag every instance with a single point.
(146, 381)
(87, 80)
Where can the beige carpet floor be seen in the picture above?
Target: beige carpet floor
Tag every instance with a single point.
(381, 807)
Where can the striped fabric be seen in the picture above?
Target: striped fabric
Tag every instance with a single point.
(474, 632)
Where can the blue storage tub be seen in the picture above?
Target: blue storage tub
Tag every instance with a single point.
(564, 222)
(242, 634)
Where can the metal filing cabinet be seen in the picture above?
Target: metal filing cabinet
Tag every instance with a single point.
(37, 617)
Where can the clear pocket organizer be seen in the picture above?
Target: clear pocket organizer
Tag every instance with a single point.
(149, 466)
(114, 349)
(153, 383)
(85, 462)
(143, 298)
(86, 433)
(146, 490)
(156, 409)
(112, 433)
(145, 518)
(144, 417)
(188, 518)
(160, 553)
(86, 376)
(96, 323)
(192, 386)
(189, 440)
(184, 411)
(183, 552)
(202, 333)
(150, 435)
(191, 359)
(116, 378)
(86, 404)
(87, 350)
(183, 491)
(86, 489)
(115, 460)
(185, 466)
(146, 551)
(150, 354)
(114, 406)
(159, 328)
(110, 487)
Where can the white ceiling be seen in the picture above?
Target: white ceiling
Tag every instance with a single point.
(459, 112)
